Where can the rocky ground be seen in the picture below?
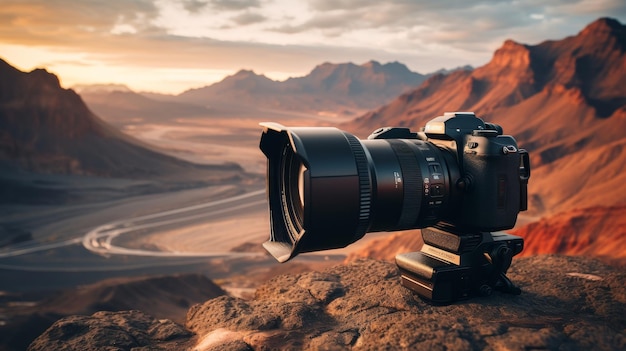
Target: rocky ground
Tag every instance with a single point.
(567, 303)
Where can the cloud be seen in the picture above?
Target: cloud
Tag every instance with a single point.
(247, 18)
(68, 23)
(233, 4)
(193, 5)
(442, 22)
(289, 37)
(448, 26)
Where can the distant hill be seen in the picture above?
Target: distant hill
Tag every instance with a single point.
(328, 87)
(170, 296)
(121, 106)
(564, 101)
(47, 129)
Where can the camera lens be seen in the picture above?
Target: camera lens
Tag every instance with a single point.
(326, 188)
(292, 191)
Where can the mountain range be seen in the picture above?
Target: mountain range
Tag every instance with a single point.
(327, 87)
(565, 102)
(341, 89)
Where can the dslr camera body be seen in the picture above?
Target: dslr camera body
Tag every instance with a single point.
(459, 179)
(463, 258)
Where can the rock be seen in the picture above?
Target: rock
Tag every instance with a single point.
(112, 331)
(567, 303)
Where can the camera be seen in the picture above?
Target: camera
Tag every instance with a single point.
(459, 179)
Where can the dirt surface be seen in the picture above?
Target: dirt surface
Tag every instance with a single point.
(567, 303)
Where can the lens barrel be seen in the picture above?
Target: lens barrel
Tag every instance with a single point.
(326, 188)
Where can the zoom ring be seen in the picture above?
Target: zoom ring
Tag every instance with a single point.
(412, 184)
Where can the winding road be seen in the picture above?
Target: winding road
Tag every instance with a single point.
(101, 240)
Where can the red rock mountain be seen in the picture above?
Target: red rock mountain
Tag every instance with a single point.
(565, 102)
(590, 231)
(45, 128)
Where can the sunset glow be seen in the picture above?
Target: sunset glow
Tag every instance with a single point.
(171, 46)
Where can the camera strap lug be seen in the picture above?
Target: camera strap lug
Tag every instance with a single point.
(524, 175)
(509, 149)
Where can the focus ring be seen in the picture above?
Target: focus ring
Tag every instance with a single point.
(365, 186)
(412, 183)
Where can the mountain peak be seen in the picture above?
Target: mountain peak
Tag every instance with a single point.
(12, 81)
(371, 64)
(248, 78)
(604, 26)
(511, 64)
(603, 35)
(246, 73)
(45, 78)
(512, 54)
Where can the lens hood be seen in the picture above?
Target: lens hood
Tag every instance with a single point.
(314, 174)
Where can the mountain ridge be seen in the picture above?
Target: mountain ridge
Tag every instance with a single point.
(517, 72)
(344, 89)
(328, 86)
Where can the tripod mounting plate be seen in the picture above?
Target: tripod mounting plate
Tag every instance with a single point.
(454, 264)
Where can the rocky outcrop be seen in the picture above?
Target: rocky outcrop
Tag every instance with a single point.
(566, 303)
(113, 331)
(165, 297)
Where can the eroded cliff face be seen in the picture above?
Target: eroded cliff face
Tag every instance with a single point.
(566, 303)
(596, 231)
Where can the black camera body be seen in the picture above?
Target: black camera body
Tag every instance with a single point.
(490, 185)
(459, 179)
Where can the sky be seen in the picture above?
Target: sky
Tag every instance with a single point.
(170, 46)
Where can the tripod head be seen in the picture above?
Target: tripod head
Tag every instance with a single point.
(455, 264)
